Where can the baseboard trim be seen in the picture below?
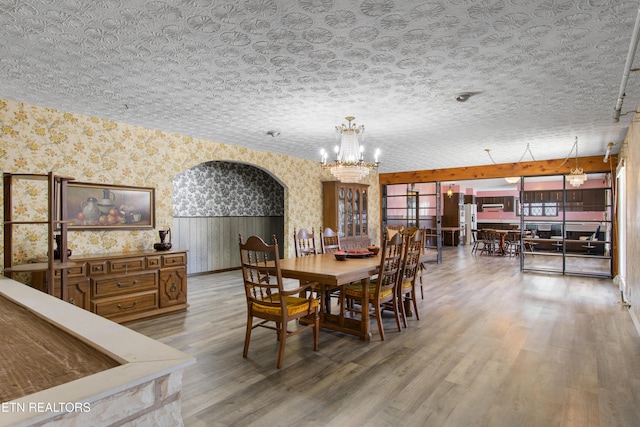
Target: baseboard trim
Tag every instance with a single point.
(635, 321)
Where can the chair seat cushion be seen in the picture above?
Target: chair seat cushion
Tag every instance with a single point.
(354, 290)
(407, 284)
(295, 305)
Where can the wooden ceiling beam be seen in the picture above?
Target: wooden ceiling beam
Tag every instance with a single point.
(592, 164)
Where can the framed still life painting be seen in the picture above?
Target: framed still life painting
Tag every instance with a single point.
(99, 206)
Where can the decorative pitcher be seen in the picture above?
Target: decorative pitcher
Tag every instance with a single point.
(107, 202)
(90, 209)
(163, 246)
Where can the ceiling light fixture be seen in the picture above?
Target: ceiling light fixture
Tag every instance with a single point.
(513, 179)
(450, 191)
(349, 165)
(576, 177)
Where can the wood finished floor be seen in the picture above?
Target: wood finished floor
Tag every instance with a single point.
(493, 347)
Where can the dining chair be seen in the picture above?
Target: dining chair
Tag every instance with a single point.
(305, 245)
(512, 243)
(329, 241)
(382, 289)
(476, 242)
(268, 300)
(490, 242)
(424, 233)
(304, 242)
(406, 287)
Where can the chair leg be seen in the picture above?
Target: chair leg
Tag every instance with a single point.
(316, 332)
(282, 335)
(403, 314)
(396, 312)
(415, 303)
(378, 314)
(247, 335)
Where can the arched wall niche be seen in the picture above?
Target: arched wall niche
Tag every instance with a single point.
(215, 201)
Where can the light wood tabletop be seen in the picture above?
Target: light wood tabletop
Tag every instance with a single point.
(331, 273)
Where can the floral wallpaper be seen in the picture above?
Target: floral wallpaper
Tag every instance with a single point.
(226, 189)
(36, 139)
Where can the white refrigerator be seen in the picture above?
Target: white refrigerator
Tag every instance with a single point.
(470, 221)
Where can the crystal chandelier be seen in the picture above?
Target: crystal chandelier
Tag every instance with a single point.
(576, 177)
(349, 165)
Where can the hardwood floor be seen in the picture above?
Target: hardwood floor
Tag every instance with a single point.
(494, 347)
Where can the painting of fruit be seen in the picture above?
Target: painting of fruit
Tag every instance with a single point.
(90, 206)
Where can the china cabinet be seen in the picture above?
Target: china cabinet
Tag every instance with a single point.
(345, 208)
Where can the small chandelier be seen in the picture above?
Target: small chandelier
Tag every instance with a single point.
(450, 191)
(576, 177)
(349, 165)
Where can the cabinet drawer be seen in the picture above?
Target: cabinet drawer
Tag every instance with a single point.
(153, 262)
(114, 307)
(76, 271)
(174, 260)
(126, 265)
(123, 284)
(97, 268)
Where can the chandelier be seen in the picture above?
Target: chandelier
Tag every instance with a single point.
(576, 177)
(349, 165)
(513, 179)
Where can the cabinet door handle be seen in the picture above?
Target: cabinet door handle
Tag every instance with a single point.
(125, 307)
(127, 285)
(173, 287)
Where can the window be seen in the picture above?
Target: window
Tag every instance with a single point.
(540, 209)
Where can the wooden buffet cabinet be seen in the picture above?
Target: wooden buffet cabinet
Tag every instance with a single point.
(124, 286)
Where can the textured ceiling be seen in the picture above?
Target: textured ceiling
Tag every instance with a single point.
(541, 72)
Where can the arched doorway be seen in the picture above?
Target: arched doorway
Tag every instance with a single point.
(215, 201)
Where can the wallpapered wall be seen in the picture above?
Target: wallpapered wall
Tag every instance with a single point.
(226, 189)
(35, 139)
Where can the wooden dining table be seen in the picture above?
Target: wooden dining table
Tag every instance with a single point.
(503, 236)
(330, 273)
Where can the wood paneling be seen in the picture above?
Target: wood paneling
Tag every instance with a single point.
(540, 167)
(212, 242)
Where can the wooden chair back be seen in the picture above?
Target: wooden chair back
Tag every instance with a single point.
(329, 241)
(409, 271)
(304, 242)
(390, 263)
(261, 273)
(411, 256)
(391, 230)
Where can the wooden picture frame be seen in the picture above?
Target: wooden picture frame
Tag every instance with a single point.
(91, 206)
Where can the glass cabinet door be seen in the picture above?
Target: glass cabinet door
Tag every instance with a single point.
(364, 213)
(341, 212)
(356, 213)
(349, 212)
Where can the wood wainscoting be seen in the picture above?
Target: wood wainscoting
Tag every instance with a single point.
(212, 242)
